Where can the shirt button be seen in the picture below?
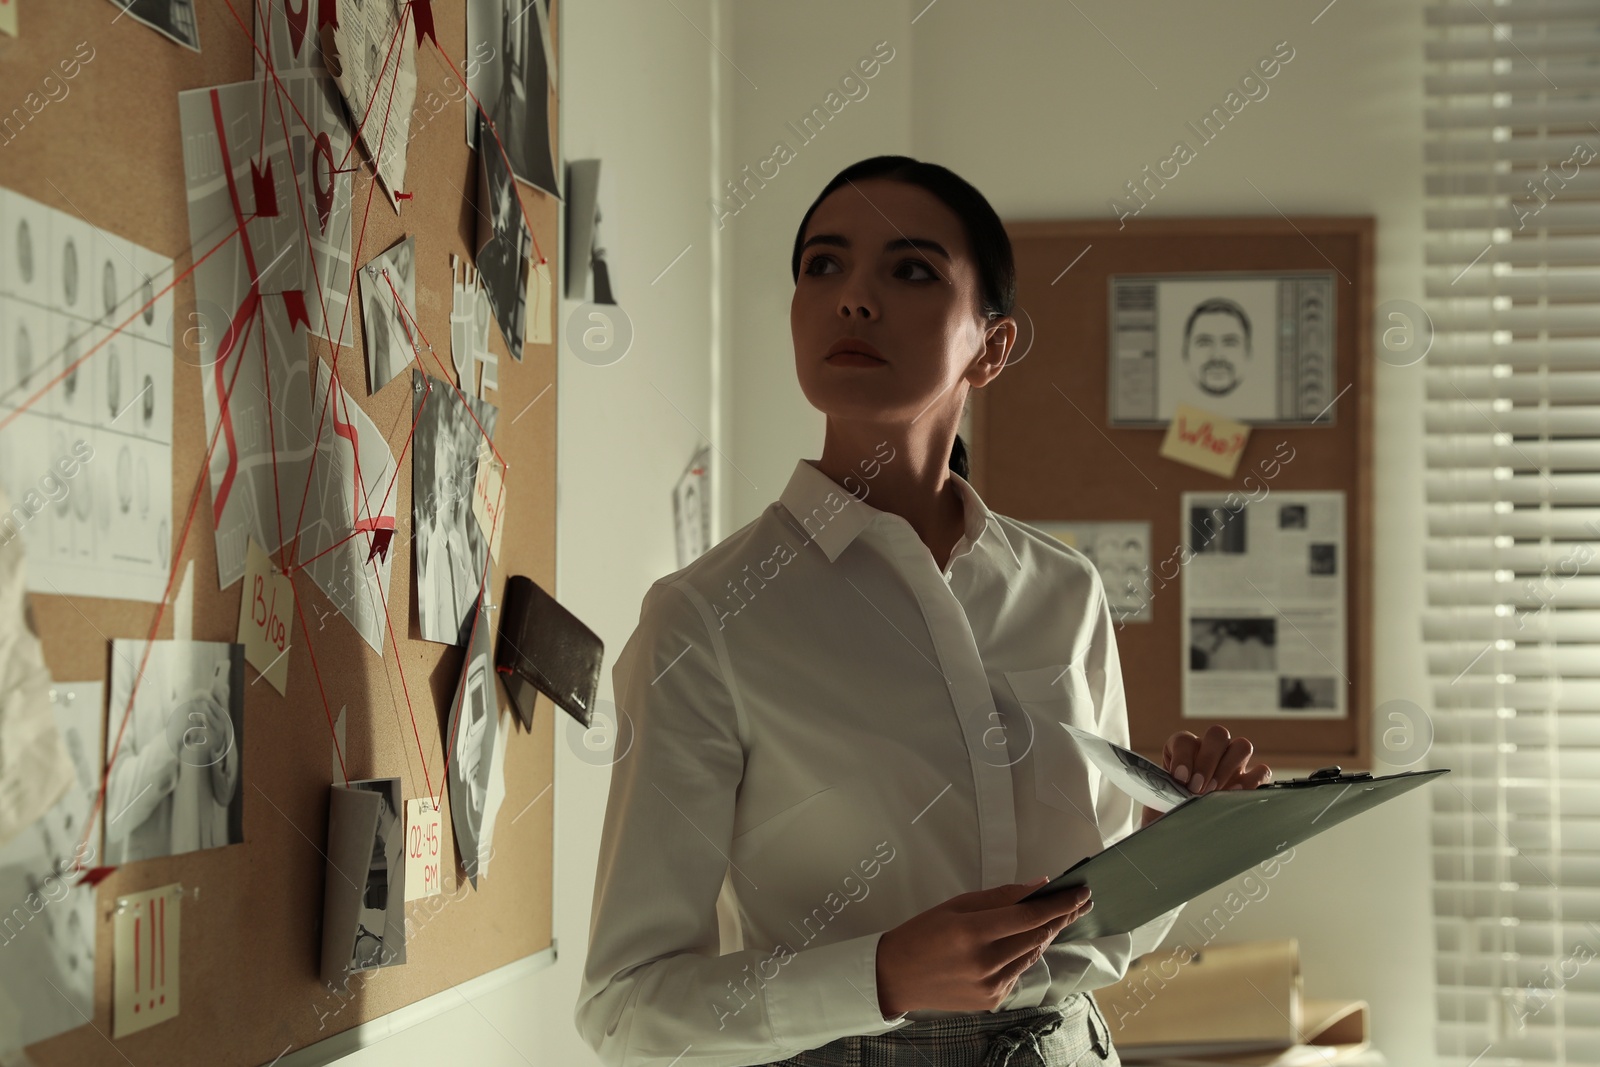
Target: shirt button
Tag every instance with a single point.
(947, 576)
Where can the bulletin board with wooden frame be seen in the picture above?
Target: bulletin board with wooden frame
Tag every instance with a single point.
(111, 154)
(1043, 448)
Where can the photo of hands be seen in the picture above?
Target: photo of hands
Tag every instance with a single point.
(174, 785)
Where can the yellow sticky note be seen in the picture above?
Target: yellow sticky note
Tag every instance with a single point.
(8, 17)
(265, 608)
(1205, 440)
(424, 845)
(488, 498)
(145, 962)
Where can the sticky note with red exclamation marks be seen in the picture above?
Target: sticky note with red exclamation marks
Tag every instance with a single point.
(145, 983)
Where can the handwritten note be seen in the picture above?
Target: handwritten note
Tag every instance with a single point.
(1205, 440)
(488, 496)
(265, 608)
(145, 961)
(424, 837)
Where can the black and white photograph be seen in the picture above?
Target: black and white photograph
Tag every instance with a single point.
(1214, 528)
(474, 721)
(1316, 694)
(171, 18)
(363, 890)
(503, 246)
(1233, 644)
(175, 781)
(513, 85)
(1150, 774)
(450, 548)
(36, 869)
(1324, 558)
(380, 928)
(1126, 770)
(1292, 517)
(390, 324)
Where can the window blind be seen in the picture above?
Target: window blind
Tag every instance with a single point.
(1512, 450)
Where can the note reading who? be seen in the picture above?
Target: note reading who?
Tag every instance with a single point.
(1205, 440)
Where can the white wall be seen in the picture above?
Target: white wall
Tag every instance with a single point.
(1049, 108)
(795, 55)
(1043, 106)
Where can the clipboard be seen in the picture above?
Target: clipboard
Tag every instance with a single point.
(1213, 837)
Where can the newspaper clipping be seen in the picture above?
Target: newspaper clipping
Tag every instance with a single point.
(1264, 607)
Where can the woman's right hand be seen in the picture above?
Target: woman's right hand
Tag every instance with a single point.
(968, 953)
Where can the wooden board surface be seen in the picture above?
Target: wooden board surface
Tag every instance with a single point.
(1043, 449)
(110, 152)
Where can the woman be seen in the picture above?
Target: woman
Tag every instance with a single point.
(840, 724)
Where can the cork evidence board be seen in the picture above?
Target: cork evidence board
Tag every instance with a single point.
(109, 151)
(1045, 449)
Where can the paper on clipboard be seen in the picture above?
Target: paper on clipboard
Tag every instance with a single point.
(1130, 772)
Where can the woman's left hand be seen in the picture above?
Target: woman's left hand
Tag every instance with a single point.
(1206, 764)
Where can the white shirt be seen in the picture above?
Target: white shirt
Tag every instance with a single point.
(824, 735)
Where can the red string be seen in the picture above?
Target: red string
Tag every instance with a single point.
(401, 304)
(249, 313)
(108, 338)
(224, 403)
(155, 625)
(355, 258)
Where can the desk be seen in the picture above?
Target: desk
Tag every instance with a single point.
(1370, 1058)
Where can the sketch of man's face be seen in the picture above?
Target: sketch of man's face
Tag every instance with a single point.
(1216, 349)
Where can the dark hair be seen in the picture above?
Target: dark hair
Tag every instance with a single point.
(986, 237)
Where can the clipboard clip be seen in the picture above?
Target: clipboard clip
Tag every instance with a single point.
(1321, 776)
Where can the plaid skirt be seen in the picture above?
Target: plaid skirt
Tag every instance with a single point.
(1070, 1034)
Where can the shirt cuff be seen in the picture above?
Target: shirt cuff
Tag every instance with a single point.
(827, 992)
(1031, 988)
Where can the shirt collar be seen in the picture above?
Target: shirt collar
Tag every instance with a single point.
(832, 516)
